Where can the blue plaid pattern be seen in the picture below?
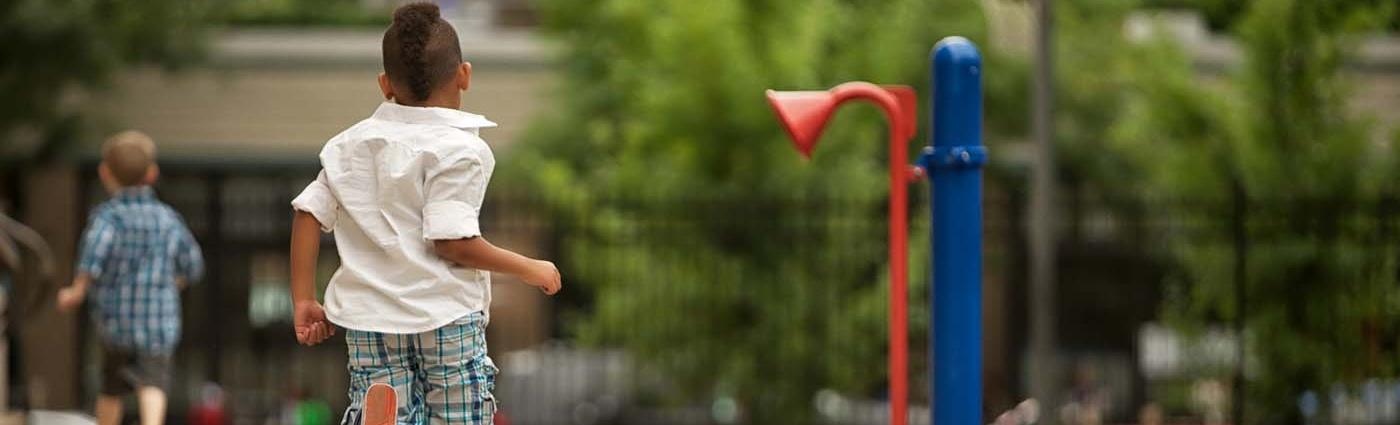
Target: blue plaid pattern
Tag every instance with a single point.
(442, 376)
(135, 247)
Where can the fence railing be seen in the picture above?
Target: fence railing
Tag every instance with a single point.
(718, 276)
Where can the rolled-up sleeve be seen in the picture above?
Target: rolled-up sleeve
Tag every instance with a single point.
(318, 200)
(454, 192)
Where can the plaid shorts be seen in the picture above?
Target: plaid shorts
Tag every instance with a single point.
(441, 376)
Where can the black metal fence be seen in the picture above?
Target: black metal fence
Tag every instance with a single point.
(1115, 256)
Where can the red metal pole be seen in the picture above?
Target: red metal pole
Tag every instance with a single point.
(899, 282)
(804, 114)
(900, 131)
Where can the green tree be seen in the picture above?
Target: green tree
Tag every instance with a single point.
(711, 250)
(661, 138)
(56, 51)
(1276, 136)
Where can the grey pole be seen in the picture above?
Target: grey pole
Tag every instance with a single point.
(1042, 217)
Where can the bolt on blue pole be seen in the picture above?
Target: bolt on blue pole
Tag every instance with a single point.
(956, 155)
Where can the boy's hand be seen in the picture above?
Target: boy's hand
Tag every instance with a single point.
(309, 321)
(544, 275)
(70, 298)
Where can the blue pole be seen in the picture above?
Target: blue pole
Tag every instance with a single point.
(954, 160)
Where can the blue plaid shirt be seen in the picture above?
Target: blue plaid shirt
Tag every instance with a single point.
(135, 247)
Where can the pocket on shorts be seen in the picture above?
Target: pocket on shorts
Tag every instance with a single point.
(484, 387)
(489, 370)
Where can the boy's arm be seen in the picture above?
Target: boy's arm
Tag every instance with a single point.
(316, 210)
(189, 262)
(453, 194)
(480, 254)
(97, 243)
(69, 298)
(308, 318)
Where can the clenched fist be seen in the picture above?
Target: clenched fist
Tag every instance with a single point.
(309, 321)
(544, 275)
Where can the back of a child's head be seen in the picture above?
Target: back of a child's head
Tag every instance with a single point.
(129, 156)
(421, 51)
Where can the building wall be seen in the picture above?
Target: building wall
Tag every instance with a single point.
(287, 114)
(1377, 97)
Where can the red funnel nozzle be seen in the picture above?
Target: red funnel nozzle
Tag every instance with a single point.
(803, 114)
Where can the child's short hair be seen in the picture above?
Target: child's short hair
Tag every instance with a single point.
(421, 50)
(128, 156)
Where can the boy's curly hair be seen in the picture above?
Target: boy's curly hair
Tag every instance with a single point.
(421, 51)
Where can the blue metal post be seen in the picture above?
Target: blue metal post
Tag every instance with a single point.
(955, 161)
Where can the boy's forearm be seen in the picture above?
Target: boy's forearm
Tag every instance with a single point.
(306, 247)
(193, 260)
(480, 254)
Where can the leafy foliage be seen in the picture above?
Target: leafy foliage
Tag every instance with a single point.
(662, 115)
(661, 151)
(1277, 137)
(661, 106)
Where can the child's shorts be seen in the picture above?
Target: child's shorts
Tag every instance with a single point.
(441, 376)
(125, 369)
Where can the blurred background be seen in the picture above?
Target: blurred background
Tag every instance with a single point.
(1220, 209)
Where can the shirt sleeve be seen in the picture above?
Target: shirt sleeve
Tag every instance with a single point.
(318, 201)
(189, 259)
(97, 243)
(454, 193)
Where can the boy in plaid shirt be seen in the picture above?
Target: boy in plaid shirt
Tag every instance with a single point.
(402, 191)
(136, 255)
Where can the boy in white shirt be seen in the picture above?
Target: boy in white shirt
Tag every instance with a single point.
(402, 192)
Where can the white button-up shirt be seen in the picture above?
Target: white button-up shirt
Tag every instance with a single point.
(389, 186)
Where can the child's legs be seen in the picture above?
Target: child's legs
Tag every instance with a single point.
(116, 365)
(125, 370)
(457, 377)
(108, 410)
(152, 376)
(387, 358)
(151, 402)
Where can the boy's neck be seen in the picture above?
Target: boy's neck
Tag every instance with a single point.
(132, 188)
(442, 99)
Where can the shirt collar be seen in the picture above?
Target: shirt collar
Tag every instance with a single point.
(390, 111)
(135, 193)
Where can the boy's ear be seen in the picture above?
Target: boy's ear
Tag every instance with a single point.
(385, 86)
(104, 175)
(152, 174)
(464, 76)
